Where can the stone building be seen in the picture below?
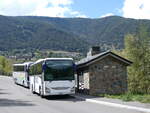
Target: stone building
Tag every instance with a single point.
(102, 73)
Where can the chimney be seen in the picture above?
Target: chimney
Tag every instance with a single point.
(93, 51)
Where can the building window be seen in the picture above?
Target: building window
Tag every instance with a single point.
(99, 68)
(113, 67)
(106, 67)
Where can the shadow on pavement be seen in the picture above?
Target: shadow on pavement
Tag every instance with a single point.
(86, 96)
(2, 89)
(2, 92)
(12, 103)
(63, 98)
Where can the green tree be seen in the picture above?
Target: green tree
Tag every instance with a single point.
(5, 66)
(137, 49)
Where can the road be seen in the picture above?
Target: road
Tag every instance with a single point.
(17, 99)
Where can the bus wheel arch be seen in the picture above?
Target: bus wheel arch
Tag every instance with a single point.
(32, 89)
(23, 83)
(40, 92)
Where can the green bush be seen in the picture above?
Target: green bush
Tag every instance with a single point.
(5, 66)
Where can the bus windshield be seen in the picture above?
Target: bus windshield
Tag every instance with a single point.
(58, 70)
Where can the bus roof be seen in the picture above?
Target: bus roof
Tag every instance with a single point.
(58, 59)
(22, 64)
(40, 60)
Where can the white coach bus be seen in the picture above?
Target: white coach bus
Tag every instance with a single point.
(20, 73)
(52, 76)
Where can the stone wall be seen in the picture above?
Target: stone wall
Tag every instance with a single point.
(107, 76)
(86, 82)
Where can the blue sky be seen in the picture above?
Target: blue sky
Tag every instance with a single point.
(97, 8)
(138, 9)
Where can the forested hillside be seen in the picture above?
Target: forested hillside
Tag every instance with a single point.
(69, 34)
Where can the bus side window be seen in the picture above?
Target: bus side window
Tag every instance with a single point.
(31, 70)
(39, 68)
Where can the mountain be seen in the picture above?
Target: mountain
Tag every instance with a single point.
(69, 34)
(26, 33)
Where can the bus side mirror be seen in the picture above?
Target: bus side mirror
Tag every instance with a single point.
(74, 66)
(43, 66)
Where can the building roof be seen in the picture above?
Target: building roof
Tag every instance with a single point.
(90, 59)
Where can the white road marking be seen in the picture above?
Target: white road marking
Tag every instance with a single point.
(116, 105)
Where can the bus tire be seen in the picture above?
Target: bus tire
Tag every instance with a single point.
(40, 93)
(23, 83)
(32, 90)
(15, 81)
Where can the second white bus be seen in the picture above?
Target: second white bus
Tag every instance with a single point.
(20, 73)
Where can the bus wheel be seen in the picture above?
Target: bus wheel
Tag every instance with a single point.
(40, 92)
(32, 89)
(15, 81)
(23, 83)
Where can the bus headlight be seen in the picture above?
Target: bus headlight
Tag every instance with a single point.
(47, 90)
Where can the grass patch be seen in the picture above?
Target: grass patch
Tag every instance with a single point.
(144, 98)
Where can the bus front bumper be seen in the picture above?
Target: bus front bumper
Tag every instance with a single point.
(59, 92)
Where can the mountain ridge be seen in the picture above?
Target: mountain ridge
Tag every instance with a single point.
(69, 34)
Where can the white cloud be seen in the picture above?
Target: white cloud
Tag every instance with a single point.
(78, 14)
(16, 7)
(106, 15)
(138, 9)
(62, 2)
(52, 8)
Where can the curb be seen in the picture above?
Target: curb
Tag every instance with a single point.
(114, 104)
